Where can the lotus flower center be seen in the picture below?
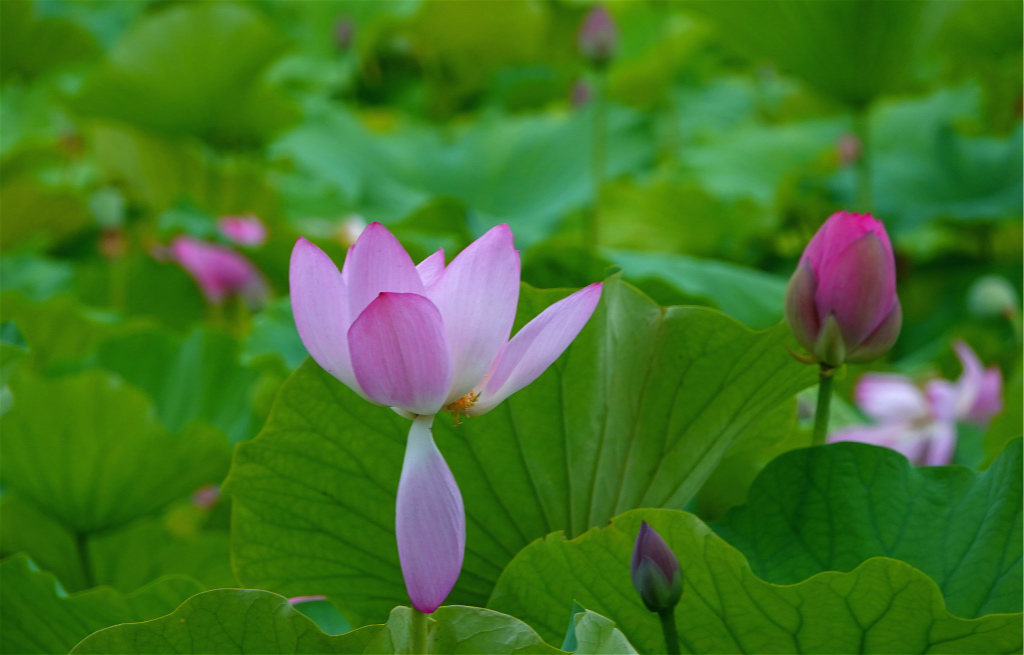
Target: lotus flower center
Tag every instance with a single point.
(461, 406)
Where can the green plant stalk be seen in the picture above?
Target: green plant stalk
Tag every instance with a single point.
(862, 126)
(418, 628)
(668, 627)
(598, 137)
(82, 548)
(824, 403)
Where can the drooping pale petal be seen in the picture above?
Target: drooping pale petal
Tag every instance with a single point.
(430, 521)
(477, 295)
(989, 402)
(968, 385)
(399, 353)
(888, 397)
(859, 287)
(320, 307)
(942, 397)
(887, 435)
(431, 268)
(801, 313)
(377, 263)
(940, 445)
(537, 346)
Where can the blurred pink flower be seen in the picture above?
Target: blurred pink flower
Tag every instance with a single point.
(922, 424)
(206, 497)
(220, 272)
(598, 37)
(245, 230)
(421, 339)
(841, 302)
(848, 147)
(580, 93)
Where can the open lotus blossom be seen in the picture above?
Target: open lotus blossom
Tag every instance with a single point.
(841, 302)
(246, 230)
(422, 339)
(220, 272)
(922, 423)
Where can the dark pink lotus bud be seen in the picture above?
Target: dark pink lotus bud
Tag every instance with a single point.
(220, 272)
(598, 36)
(245, 230)
(841, 302)
(655, 571)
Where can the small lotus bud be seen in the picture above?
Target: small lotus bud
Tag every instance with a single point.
(991, 296)
(206, 497)
(841, 302)
(580, 93)
(598, 36)
(344, 32)
(655, 571)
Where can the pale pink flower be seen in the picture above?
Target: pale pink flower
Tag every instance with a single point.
(220, 272)
(245, 230)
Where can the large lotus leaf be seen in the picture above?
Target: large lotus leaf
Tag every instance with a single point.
(854, 50)
(37, 616)
(526, 170)
(87, 450)
(637, 413)
(198, 377)
(57, 331)
(32, 46)
(829, 509)
(252, 621)
(883, 606)
(193, 70)
(750, 296)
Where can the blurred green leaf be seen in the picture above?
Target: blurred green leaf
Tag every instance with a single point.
(273, 334)
(107, 460)
(57, 332)
(219, 49)
(961, 528)
(38, 616)
(638, 412)
(883, 606)
(1007, 426)
(31, 46)
(196, 378)
(748, 295)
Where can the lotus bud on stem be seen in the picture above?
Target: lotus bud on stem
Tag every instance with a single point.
(658, 579)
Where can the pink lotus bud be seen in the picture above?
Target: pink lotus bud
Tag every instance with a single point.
(841, 302)
(243, 230)
(655, 571)
(219, 271)
(580, 93)
(598, 36)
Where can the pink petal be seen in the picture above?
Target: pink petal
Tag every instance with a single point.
(885, 435)
(537, 346)
(840, 230)
(320, 307)
(430, 523)
(942, 399)
(859, 287)
(801, 314)
(990, 398)
(888, 397)
(477, 295)
(377, 263)
(431, 268)
(940, 445)
(399, 353)
(968, 385)
(219, 271)
(244, 230)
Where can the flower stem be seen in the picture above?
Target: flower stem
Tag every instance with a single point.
(419, 632)
(824, 402)
(82, 548)
(668, 627)
(862, 125)
(597, 161)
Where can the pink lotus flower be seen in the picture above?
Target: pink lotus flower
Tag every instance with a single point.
(841, 302)
(922, 424)
(598, 36)
(422, 339)
(246, 230)
(220, 272)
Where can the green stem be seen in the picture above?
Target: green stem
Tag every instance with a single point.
(82, 547)
(597, 161)
(668, 627)
(862, 126)
(824, 401)
(419, 632)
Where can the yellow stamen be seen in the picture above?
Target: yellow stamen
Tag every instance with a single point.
(461, 406)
